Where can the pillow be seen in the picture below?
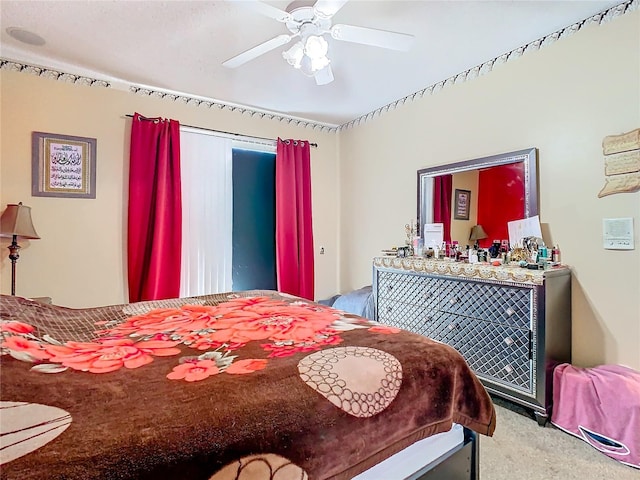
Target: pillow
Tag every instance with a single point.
(357, 302)
(329, 301)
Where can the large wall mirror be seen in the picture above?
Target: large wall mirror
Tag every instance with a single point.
(488, 191)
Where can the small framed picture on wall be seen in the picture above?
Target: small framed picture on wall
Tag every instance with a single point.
(461, 204)
(63, 166)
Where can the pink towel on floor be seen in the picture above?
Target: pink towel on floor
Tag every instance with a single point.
(601, 406)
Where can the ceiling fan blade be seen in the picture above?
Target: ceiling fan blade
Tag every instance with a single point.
(372, 36)
(265, 9)
(258, 50)
(324, 76)
(328, 8)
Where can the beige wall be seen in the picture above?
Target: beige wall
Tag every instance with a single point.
(80, 259)
(563, 99)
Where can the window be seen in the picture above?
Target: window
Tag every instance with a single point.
(254, 220)
(228, 208)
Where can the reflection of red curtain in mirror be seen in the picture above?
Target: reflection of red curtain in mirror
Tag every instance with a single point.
(442, 203)
(500, 200)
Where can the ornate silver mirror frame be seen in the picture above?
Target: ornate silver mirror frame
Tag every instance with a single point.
(528, 156)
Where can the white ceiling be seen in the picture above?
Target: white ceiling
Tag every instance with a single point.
(180, 46)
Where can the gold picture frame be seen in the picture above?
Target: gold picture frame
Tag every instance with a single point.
(461, 204)
(63, 166)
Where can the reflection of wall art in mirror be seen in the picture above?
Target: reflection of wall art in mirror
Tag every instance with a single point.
(63, 166)
(461, 204)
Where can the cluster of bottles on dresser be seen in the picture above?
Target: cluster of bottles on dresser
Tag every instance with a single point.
(453, 252)
(544, 254)
(499, 252)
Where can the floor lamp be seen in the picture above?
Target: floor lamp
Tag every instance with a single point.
(16, 222)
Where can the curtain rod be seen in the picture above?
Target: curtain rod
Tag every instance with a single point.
(222, 131)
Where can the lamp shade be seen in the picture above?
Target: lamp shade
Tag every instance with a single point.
(477, 233)
(16, 220)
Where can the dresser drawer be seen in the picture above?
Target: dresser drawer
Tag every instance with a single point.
(497, 352)
(409, 317)
(413, 289)
(510, 306)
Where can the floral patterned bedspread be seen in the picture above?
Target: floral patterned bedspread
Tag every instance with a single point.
(249, 385)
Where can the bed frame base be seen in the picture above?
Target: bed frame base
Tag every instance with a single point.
(462, 463)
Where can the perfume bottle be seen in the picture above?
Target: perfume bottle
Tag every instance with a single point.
(453, 252)
(494, 249)
(543, 252)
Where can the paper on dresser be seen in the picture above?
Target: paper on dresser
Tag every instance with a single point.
(527, 227)
(433, 234)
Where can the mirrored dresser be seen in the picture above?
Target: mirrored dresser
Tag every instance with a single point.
(511, 324)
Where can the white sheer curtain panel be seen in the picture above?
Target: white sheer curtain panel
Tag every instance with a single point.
(207, 213)
(427, 193)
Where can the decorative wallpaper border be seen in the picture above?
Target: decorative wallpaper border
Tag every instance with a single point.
(202, 102)
(144, 91)
(52, 74)
(486, 67)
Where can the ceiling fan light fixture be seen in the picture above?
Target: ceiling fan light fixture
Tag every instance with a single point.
(308, 55)
(316, 47)
(311, 66)
(319, 63)
(294, 55)
(306, 66)
(324, 76)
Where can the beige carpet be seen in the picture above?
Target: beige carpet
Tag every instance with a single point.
(520, 449)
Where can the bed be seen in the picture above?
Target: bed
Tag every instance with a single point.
(251, 385)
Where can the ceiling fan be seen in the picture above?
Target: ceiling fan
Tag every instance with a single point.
(310, 24)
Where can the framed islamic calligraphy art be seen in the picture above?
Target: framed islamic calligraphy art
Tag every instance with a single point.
(63, 166)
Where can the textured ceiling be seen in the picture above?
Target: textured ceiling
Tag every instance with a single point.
(179, 46)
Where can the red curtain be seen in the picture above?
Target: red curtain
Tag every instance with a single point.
(442, 203)
(294, 233)
(155, 210)
(494, 211)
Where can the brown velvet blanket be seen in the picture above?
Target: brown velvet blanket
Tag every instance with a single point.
(251, 385)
